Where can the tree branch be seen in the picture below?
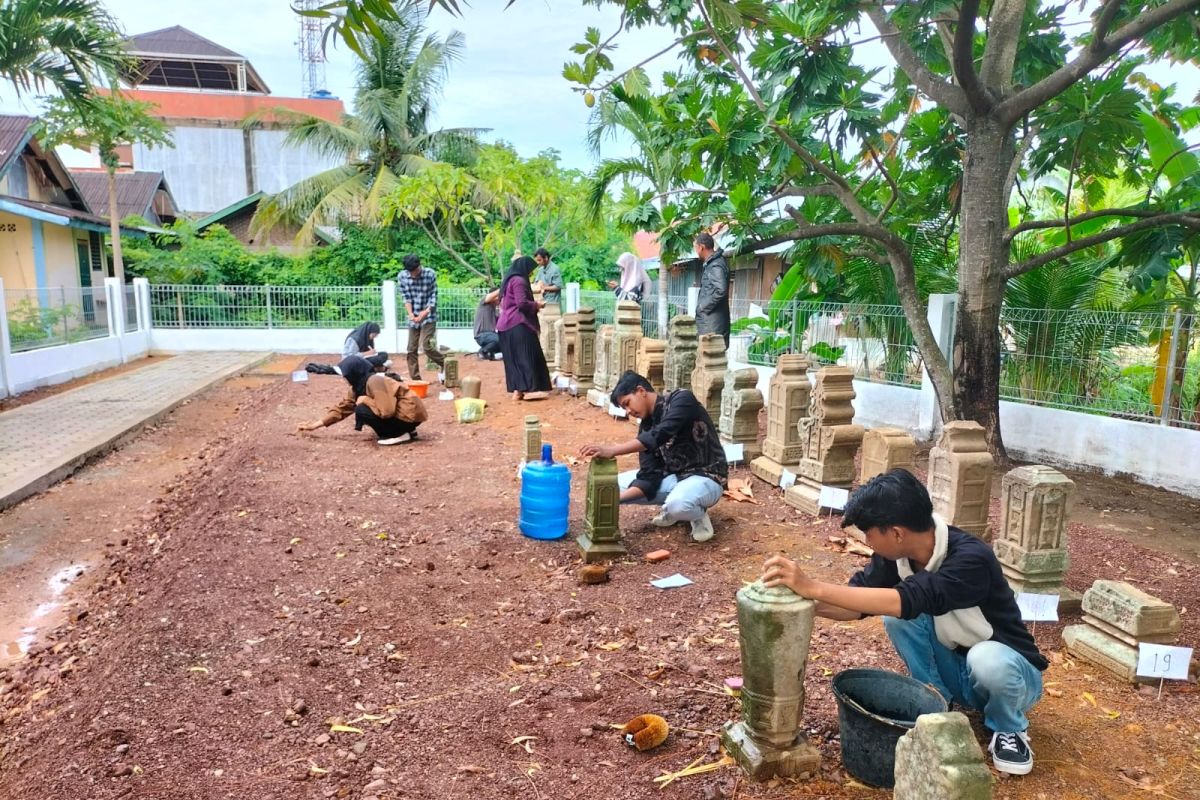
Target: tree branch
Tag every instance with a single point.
(964, 58)
(1143, 213)
(1054, 84)
(939, 90)
(1014, 169)
(820, 190)
(1003, 36)
(1021, 267)
(1108, 13)
(617, 78)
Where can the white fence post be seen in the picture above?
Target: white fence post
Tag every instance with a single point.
(6, 384)
(389, 321)
(141, 297)
(940, 314)
(114, 292)
(693, 300)
(572, 305)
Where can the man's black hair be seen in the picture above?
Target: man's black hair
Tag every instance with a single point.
(412, 261)
(627, 384)
(543, 252)
(706, 241)
(894, 498)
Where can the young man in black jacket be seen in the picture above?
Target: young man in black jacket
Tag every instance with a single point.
(945, 605)
(681, 463)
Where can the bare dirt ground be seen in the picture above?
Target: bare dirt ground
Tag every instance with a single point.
(249, 589)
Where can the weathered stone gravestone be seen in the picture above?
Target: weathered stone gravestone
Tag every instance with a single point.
(960, 477)
(940, 759)
(830, 440)
(598, 394)
(627, 338)
(567, 344)
(585, 348)
(740, 403)
(450, 372)
(471, 386)
(1117, 617)
(560, 346)
(548, 319)
(680, 358)
(532, 441)
(651, 355)
(787, 403)
(601, 537)
(774, 629)
(885, 449)
(708, 378)
(1032, 546)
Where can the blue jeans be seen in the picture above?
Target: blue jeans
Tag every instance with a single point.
(991, 677)
(684, 500)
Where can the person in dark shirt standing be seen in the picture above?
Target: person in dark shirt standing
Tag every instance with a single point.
(946, 606)
(712, 307)
(681, 463)
(418, 286)
(485, 325)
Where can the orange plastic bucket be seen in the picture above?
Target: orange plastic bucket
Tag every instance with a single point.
(419, 388)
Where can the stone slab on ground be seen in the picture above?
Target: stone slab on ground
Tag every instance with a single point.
(44, 442)
(940, 759)
(1126, 607)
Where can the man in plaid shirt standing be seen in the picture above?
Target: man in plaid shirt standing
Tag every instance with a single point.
(419, 286)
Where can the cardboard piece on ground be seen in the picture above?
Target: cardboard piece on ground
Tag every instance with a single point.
(299, 376)
(672, 582)
(1163, 661)
(834, 498)
(1038, 607)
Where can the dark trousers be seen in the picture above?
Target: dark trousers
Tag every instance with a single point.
(422, 338)
(384, 428)
(489, 344)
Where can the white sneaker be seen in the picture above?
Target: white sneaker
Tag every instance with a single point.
(702, 529)
(662, 520)
(401, 439)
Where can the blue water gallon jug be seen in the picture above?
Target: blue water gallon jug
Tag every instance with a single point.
(545, 497)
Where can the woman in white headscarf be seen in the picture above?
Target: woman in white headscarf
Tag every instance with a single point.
(635, 283)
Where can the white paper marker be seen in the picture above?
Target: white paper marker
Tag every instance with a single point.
(834, 498)
(734, 452)
(672, 582)
(1038, 607)
(787, 480)
(445, 394)
(299, 376)
(1163, 661)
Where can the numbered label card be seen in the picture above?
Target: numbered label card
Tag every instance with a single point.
(1163, 661)
(299, 376)
(617, 411)
(562, 383)
(833, 497)
(1038, 607)
(735, 452)
(446, 394)
(787, 480)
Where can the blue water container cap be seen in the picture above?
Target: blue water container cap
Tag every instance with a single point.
(547, 454)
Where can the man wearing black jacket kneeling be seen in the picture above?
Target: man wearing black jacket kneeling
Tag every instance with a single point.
(945, 605)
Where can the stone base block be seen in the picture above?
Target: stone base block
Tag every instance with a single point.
(604, 550)
(762, 762)
(1132, 610)
(1031, 562)
(1117, 633)
(1093, 645)
(767, 469)
(805, 495)
(782, 453)
(598, 398)
(584, 385)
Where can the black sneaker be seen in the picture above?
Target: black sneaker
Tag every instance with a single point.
(1011, 753)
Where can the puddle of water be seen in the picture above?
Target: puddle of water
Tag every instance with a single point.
(56, 585)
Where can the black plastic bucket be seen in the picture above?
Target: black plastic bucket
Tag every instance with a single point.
(876, 708)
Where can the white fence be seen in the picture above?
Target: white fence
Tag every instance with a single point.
(129, 322)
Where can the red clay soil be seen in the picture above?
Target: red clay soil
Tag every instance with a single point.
(312, 616)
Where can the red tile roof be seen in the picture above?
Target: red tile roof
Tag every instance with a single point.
(231, 106)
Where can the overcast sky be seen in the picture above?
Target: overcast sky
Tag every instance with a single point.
(510, 80)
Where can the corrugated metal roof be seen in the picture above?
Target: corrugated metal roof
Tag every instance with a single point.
(14, 133)
(176, 41)
(135, 191)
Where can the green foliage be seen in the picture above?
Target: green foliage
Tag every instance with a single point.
(65, 45)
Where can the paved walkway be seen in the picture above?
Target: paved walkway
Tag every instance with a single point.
(44, 442)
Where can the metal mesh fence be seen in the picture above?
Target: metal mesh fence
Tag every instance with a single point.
(456, 306)
(174, 306)
(1142, 366)
(55, 315)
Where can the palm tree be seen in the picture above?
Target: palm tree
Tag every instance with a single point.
(398, 84)
(59, 44)
(644, 120)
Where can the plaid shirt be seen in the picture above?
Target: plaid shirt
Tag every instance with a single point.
(420, 293)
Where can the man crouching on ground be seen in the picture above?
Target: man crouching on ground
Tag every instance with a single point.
(681, 464)
(945, 605)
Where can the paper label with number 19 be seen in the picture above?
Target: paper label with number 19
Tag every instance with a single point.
(1163, 661)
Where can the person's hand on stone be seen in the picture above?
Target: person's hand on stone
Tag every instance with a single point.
(781, 571)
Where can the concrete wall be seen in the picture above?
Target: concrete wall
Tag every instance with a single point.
(181, 340)
(18, 262)
(278, 166)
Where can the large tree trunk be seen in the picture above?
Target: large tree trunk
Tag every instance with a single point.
(115, 225)
(983, 255)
